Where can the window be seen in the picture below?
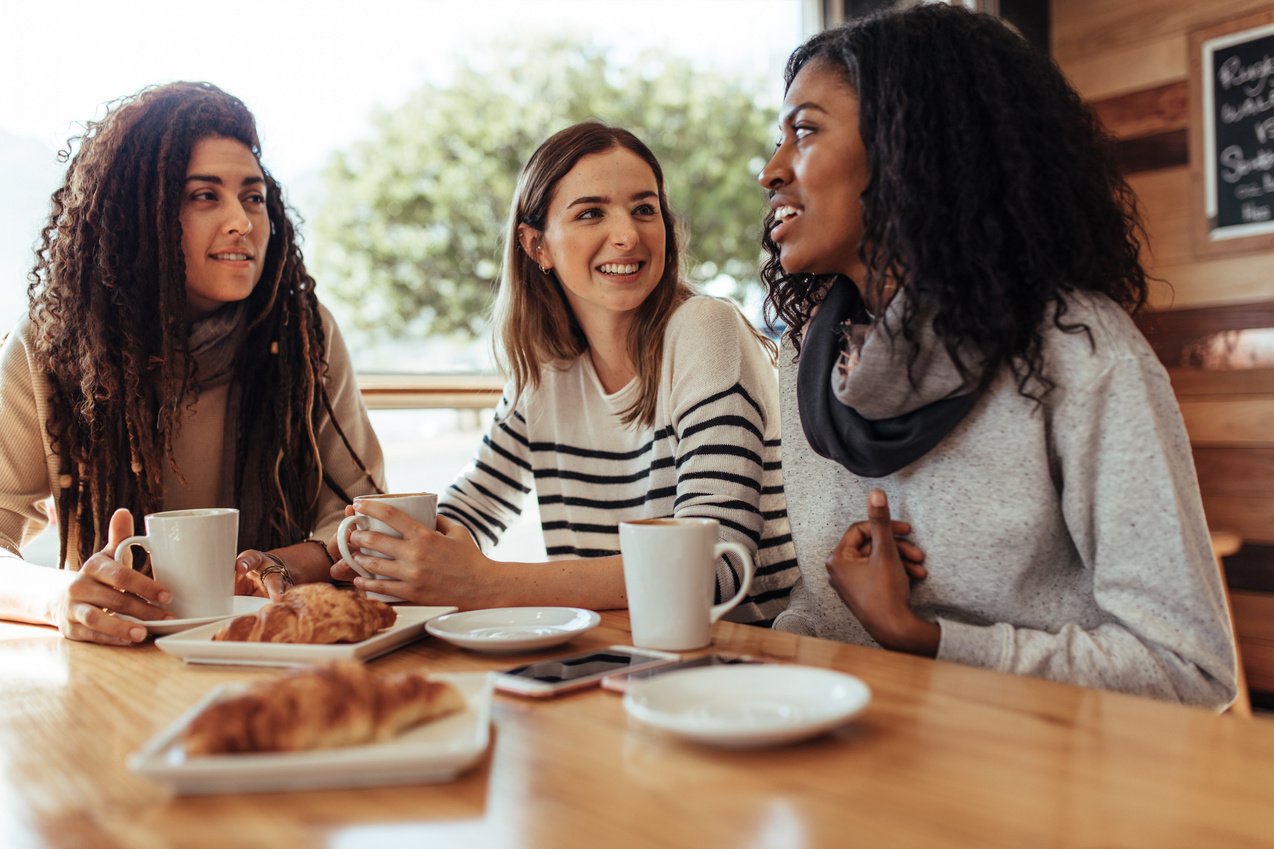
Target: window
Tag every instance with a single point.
(397, 133)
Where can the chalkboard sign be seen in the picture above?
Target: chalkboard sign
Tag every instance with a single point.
(1232, 154)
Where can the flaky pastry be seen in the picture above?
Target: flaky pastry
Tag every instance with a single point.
(311, 613)
(341, 704)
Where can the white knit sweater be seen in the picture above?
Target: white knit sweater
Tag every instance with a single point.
(712, 451)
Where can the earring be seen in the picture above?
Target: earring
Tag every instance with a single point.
(544, 269)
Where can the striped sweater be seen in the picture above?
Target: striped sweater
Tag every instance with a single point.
(712, 451)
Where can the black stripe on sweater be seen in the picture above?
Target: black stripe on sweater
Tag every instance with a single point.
(570, 550)
(471, 523)
(594, 454)
(507, 455)
(601, 504)
(604, 480)
(723, 421)
(736, 389)
(717, 450)
(505, 479)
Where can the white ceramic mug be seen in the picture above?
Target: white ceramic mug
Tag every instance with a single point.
(421, 506)
(192, 554)
(670, 576)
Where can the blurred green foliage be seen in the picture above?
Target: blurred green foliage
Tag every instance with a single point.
(411, 223)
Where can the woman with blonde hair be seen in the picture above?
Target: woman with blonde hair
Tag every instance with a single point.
(629, 397)
(175, 356)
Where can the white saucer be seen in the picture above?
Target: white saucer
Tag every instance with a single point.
(747, 706)
(243, 605)
(512, 629)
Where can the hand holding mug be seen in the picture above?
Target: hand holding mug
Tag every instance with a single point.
(421, 507)
(103, 586)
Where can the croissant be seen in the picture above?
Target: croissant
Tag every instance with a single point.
(340, 704)
(311, 613)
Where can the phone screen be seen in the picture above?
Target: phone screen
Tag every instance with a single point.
(548, 677)
(619, 681)
(574, 668)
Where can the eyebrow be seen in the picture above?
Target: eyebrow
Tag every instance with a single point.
(599, 199)
(800, 107)
(213, 178)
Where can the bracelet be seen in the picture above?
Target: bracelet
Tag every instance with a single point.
(331, 561)
(276, 567)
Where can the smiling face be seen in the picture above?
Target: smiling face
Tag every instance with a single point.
(603, 237)
(817, 176)
(224, 223)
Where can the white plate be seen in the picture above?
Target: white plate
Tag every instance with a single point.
(243, 606)
(748, 705)
(513, 629)
(435, 751)
(197, 645)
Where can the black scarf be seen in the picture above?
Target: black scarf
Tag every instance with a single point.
(838, 388)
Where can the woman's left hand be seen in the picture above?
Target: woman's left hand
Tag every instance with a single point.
(872, 572)
(248, 580)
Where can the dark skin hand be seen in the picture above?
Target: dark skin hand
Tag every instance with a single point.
(872, 572)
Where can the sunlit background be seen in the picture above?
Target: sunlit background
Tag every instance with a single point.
(396, 129)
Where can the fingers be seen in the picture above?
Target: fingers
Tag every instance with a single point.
(882, 530)
(274, 586)
(104, 577)
(915, 571)
(341, 571)
(910, 552)
(118, 529)
(456, 531)
(387, 513)
(88, 623)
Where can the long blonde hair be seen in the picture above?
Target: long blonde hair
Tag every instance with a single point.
(535, 326)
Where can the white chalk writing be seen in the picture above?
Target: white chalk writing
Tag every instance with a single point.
(1253, 77)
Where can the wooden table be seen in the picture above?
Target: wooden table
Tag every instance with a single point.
(944, 756)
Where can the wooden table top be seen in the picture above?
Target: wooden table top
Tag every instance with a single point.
(945, 756)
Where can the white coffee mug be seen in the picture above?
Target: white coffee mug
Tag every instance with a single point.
(421, 506)
(192, 554)
(670, 576)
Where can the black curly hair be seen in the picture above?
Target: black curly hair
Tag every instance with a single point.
(109, 327)
(993, 191)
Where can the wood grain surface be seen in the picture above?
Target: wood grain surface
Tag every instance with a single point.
(945, 756)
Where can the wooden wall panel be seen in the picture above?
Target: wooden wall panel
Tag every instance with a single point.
(1185, 281)
(1132, 68)
(1237, 423)
(1107, 47)
(1251, 517)
(1226, 471)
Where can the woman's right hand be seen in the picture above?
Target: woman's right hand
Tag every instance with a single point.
(104, 586)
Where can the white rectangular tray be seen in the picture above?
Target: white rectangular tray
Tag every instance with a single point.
(433, 752)
(197, 645)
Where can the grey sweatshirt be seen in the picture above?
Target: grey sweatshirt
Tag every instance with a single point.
(1065, 541)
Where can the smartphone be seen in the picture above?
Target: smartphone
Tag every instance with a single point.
(619, 681)
(574, 672)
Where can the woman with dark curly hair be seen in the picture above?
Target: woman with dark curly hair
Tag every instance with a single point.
(175, 356)
(956, 255)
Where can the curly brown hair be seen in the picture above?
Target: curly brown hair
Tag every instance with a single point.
(108, 313)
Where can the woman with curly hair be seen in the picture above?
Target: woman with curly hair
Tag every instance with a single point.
(174, 356)
(956, 256)
(630, 397)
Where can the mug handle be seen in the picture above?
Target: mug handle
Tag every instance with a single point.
(342, 542)
(144, 542)
(749, 570)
